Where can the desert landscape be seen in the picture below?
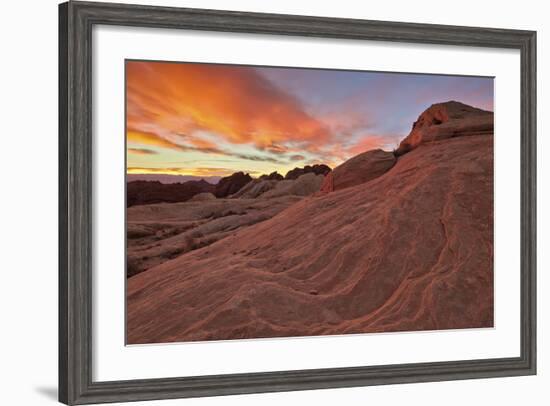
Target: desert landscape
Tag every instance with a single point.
(384, 241)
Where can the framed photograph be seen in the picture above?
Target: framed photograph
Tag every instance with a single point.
(258, 203)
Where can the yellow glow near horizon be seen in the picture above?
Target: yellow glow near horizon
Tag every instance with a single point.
(181, 171)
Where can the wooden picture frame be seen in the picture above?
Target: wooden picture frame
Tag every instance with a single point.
(76, 20)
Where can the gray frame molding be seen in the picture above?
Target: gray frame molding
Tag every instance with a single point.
(76, 20)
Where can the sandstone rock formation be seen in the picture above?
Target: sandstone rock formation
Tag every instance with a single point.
(359, 169)
(320, 169)
(231, 184)
(304, 185)
(446, 120)
(254, 189)
(412, 251)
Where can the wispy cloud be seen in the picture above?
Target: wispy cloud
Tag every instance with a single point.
(141, 151)
(146, 138)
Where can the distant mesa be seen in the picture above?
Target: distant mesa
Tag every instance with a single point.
(446, 120)
(317, 169)
(231, 184)
(148, 192)
(272, 176)
(359, 169)
(167, 178)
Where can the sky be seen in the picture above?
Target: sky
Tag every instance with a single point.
(214, 120)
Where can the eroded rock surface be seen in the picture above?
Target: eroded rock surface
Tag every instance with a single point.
(413, 251)
(159, 232)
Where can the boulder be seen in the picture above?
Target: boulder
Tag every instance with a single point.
(359, 169)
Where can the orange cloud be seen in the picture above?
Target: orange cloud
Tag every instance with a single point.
(233, 102)
(147, 138)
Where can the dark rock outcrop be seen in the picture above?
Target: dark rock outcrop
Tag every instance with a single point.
(317, 169)
(231, 184)
(148, 192)
(272, 176)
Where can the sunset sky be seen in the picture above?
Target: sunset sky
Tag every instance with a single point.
(214, 120)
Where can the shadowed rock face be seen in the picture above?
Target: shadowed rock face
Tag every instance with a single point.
(295, 173)
(231, 184)
(447, 120)
(409, 250)
(148, 192)
(359, 169)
